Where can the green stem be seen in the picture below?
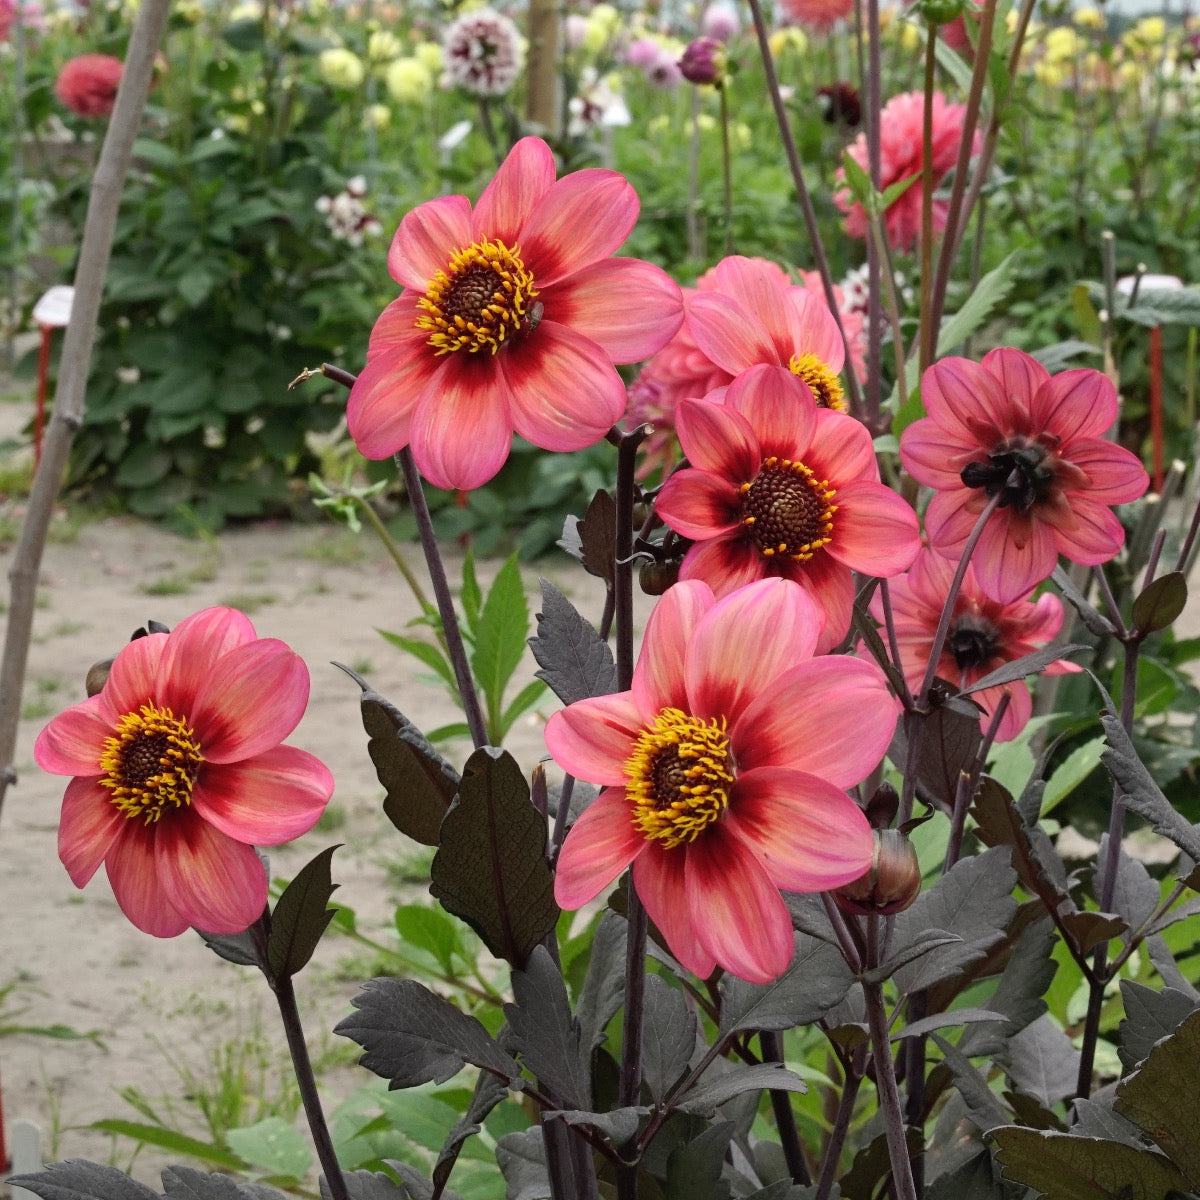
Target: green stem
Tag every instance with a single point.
(726, 167)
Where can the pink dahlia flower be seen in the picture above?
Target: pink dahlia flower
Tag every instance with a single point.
(901, 128)
(1005, 427)
(818, 15)
(88, 84)
(753, 314)
(984, 635)
(723, 772)
(853, 320)
(778, 486)
(511, 318)
(179, 772)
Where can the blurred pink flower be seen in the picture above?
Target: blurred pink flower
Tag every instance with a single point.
(901, 126)
(779, 487)
(1005, 427)
(511, 318)
(818, 15)
(984, 635)
(179, 772)
(721, 21)
(33, 18)
(88, 84)
(723, 772)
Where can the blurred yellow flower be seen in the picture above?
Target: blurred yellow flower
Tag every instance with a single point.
(382, 47)
(409, 81)
(789, 40)
(429, 55)
(247, 10)
(1089, 17)
(602, 23)
(377, 117)
(341, 68)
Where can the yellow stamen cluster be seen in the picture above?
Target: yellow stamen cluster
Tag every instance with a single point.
(822, 380)
(151, 763)
(679, 773)
(482, 299)
(788, 510)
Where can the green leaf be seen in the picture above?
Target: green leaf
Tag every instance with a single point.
(530, 696)
(275, 1146)
(1061, 1166)
(169, 1139)
(156, 154)
(244, 35)
(990, 290)
(1071, 772)
(430, 655)
(431, 930)
(500, 639)
(1159, 604)
(490, 868)
(472, 597)
(301, 916)
(858, 181)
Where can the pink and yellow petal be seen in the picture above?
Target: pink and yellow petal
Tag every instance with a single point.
(563, 391)
(831, 586)
(591, 739)
(133, 873)
(628, 307)
(778, 407)
(193, 649)
(72, 743)
(274, 797)
(88, 828)
(600, 845)
(699, 504)
(814, 329)
(659, 877)
(809, 835)
(658, 679)
(521, 181)
(427, 239)
(718, 439)
(841, 449)
(133, 679)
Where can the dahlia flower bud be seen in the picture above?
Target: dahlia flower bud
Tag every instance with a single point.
(892, 882)
(840, 104)
(940, 12)
(654, 578)
(703, 62)
(883, 806)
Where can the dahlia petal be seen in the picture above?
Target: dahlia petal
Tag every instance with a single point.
(743, 642)
(725, 562)
(395, 328)
(1095, 536)
(950, 518)
(724, 334)
(961, 396)
(1005, 568)
(739, 915)
(830, 584)
(658, 680)
(1075, 404)
(591, 739)
(133, 679)
(814, 328)
(601, 844)
(1020, 374)
(380, 408)
(755, 284)
(831, 717)
(875, 530)
(253, 704)
(564, 392)
(809, 835)
(583, 218)
(89, 826)
(427, 238)
(934, 456)
(215, 883)
(698, 504)
(139, 892)
(461, 424)
(271, 798)
(522, 179)
(658, 876)
(719, 439)
(1115, 476)
(1016, 715)
(841, 449)
(629, 307)
(1042, 621)
(192, 651)
(779, 408)
(71, 744)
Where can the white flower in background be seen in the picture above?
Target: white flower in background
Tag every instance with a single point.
(382, 47)
(341, 68)
(409, 81)
(575, 31)
(429, 55)
(454, 136)
(377, 117)
(598, 104)
(483, 53)
(346, 216)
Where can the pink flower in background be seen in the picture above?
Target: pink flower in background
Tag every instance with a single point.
(723, 772)
(179, 772)
(1005, 427)
(33, 18)
(818, 15)
(901, 127)
(511, 318)
(88, 84)
(721, 21)
(754, 314)
(779, 487)
(984, 635)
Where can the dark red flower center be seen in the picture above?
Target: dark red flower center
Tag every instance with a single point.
(151, 763)
(972, 640)
(482, 301)
(1021, 472)
(788, 510)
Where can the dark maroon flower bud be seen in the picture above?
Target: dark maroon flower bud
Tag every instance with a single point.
(97, 675)
(840, 104)
(892, 882)
(883, 806)
(703, 61)
(655, 577)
